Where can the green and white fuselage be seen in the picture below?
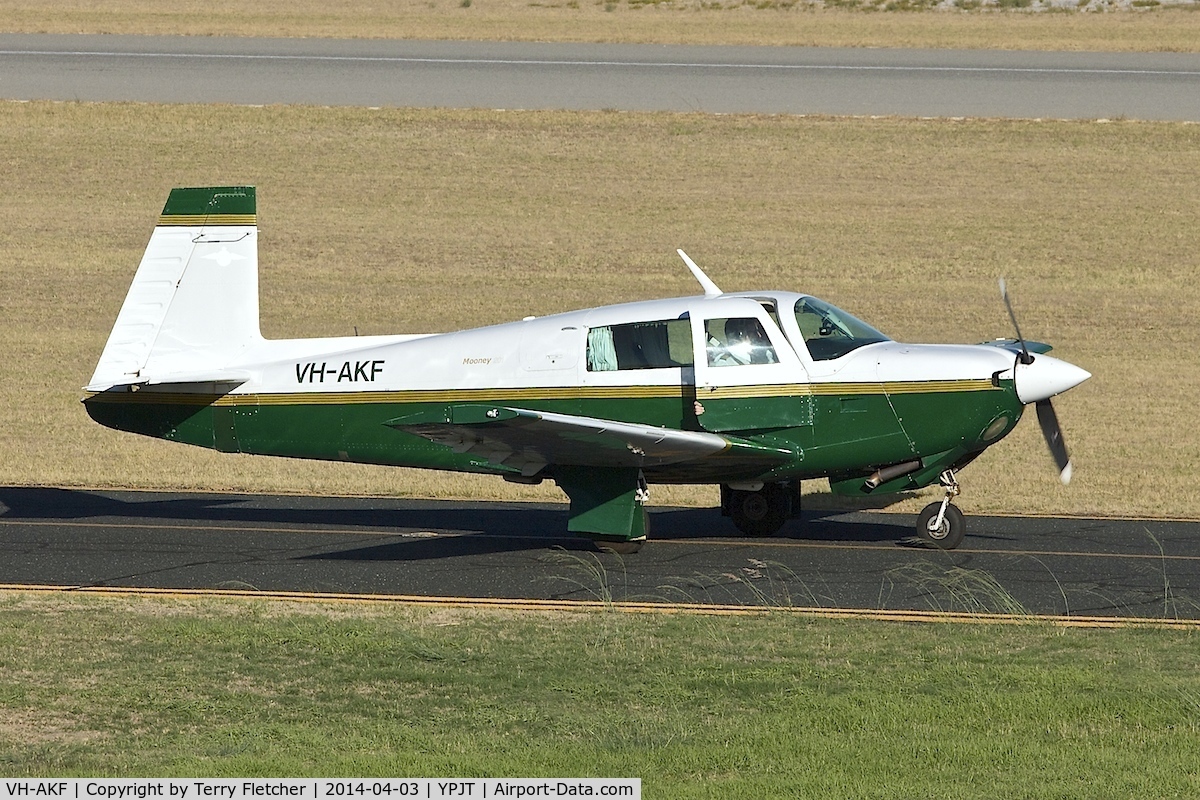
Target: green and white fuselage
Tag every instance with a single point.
(748, 390)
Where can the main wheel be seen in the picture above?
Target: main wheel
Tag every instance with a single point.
(946, 536)
(625, 547)
(760, 513)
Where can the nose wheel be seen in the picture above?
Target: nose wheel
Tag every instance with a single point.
(941, 524)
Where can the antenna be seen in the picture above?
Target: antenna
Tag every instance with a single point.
(710, 288)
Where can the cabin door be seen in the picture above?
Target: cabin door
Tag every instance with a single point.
(747, 377)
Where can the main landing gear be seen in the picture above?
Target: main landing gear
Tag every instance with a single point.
(760, 512)
(942, 524)
(626, 547)
(608, 506)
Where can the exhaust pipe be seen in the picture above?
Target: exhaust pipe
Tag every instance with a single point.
(885, 474)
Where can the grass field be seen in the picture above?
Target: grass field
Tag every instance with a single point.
(698, 707)
(1086, 25)
(410, 221)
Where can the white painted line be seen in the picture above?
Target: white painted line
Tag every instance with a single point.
(587, 63)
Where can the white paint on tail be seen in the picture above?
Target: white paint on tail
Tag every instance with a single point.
(192, 307)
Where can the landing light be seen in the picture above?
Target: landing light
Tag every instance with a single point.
(992, 431)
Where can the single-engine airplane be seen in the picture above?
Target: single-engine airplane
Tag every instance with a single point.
(755, 391)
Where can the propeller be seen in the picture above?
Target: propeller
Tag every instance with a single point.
(1025, 357)
(1054, 439)
(1045, 381)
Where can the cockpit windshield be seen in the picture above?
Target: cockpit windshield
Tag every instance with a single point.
(830, 332)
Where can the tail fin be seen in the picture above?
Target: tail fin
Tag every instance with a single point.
(193, 304)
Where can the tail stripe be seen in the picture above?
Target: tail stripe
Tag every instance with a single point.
(199, 220)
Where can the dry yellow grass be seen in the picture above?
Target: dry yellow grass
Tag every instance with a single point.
(761, 22)
(402, 221)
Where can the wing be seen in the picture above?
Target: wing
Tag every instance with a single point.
(519, 440)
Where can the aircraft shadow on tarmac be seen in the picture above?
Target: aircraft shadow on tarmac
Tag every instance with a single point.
(545, 530)
(433, 528)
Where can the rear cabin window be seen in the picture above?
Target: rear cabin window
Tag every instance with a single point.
(640, 345)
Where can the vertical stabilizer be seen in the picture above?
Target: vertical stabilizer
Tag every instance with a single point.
(193, 304)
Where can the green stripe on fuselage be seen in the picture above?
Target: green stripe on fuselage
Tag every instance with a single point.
(848, 430)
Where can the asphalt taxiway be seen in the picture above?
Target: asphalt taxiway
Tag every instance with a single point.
(1146, 569)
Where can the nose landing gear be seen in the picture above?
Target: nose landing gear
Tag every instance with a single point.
(942, 524)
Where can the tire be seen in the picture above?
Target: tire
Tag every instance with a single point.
(760, 513)
(625, 547)
(951, 532)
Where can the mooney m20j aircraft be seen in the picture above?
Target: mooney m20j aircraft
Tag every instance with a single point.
(754, 391)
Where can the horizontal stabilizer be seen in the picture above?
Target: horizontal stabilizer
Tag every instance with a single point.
(222, 382)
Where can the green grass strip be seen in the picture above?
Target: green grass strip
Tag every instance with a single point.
(697, 706)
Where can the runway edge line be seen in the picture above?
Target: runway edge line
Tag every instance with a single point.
(625, 607)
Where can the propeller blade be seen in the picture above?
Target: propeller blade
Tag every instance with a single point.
(1025, 357)
(1054, 439)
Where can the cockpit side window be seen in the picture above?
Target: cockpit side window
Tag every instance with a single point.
(640, 345)
(738, 341)
(830, 332)
(771, 308)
